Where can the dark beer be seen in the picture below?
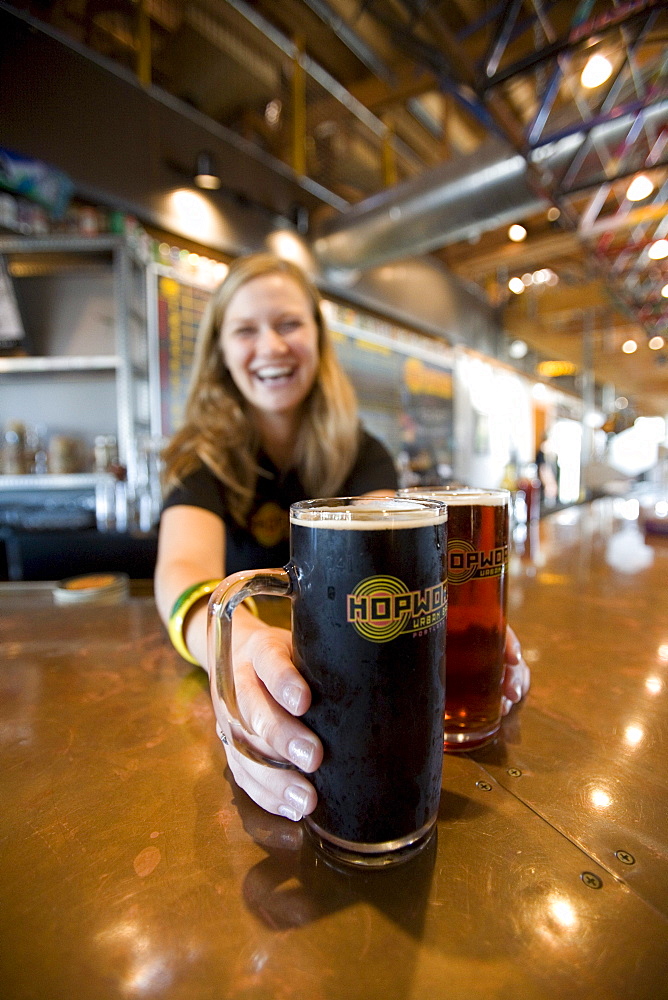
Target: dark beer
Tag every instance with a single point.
(369, 614)
(477, 600)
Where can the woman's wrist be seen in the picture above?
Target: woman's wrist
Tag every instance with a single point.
(181, 609)
(184, 609)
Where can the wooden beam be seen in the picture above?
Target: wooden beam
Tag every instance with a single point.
(379, 97)
(539, 252)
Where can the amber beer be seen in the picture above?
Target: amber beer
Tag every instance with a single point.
(367, 579)
(477, 608)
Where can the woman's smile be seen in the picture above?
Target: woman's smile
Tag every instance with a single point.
(274, 373)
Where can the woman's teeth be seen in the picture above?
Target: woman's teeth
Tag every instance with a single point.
(274, 372)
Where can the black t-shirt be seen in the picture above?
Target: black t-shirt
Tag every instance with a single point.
(265, 542)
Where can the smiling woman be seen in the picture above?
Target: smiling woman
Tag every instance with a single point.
(268, 405)
(271, 419)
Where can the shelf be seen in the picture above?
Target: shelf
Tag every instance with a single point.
(60, 244)
(53, 481)
(68, 389)
(47, 255)
(47, 365)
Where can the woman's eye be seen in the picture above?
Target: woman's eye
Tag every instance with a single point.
(244, 331)
(288, 325)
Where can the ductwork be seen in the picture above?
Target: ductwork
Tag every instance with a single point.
(458, 200)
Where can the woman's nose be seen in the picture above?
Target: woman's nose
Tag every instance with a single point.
(270, 341)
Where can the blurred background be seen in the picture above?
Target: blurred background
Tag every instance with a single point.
(478, 188)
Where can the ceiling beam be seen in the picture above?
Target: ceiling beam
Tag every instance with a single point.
(517, 256)
(378, 96)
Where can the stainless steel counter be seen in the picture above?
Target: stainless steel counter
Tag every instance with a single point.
(132, 867)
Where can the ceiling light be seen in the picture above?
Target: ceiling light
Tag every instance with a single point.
(553, 213)
(658, 250)
(516, 285)
(596, 72)
(664, 291)
(629, 346)
(639, 188)
(621, 403)
(518, 349)
(656, 343)
(517, 233)
(205, 173)
(272, 113)
(527, 279)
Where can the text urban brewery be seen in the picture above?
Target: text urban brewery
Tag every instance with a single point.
(465, 562)
(382, 607)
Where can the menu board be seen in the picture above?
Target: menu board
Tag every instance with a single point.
(180, 306)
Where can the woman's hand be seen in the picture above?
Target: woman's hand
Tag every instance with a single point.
(517, 677)
(271, 695)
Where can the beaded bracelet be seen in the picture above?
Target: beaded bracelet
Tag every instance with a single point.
(190, 596)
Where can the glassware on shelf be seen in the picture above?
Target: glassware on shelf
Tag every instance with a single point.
(148, 496)
(14, 449)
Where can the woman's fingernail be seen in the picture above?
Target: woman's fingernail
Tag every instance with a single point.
(506, 705)
(292, 696)
(517, 691)
(289, 813)
(297, 797)
(301, 753)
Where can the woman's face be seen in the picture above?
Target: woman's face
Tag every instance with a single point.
(269, 341)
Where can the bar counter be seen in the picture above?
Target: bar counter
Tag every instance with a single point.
(132, 867)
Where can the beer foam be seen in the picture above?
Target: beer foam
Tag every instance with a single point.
(460, 497)
(376, 515)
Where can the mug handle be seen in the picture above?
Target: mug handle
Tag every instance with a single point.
(227, 596)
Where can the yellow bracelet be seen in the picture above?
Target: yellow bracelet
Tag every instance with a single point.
(179, 612)
(190, 596)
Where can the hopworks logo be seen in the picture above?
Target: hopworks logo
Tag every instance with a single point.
(466, 562)
(382, 607)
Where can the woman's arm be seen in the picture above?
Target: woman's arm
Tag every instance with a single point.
(270, 690)
(191, 548)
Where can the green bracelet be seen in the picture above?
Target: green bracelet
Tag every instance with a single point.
(177, 618)
(190, 596)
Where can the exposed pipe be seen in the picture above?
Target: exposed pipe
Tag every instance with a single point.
(458, 200)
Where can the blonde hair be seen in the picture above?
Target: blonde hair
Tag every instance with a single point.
(218, 429)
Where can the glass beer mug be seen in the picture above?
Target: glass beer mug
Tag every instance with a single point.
(367, 582)
(478, 525)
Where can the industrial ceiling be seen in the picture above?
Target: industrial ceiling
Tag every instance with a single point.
(432, 127)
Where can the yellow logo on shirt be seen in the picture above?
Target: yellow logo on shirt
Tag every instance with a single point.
(270, 524)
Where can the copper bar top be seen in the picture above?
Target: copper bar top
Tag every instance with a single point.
(132, 867)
